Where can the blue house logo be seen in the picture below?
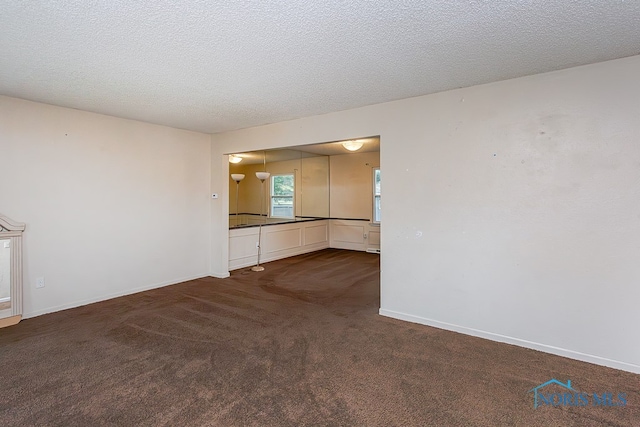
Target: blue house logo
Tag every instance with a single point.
(551, 381)
(571, 397)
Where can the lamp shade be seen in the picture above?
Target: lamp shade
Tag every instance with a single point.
(262, 175)
(237, 177)
(352, 145)
(234, 159)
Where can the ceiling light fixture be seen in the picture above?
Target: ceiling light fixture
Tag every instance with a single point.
(353, 145)
(234, 159)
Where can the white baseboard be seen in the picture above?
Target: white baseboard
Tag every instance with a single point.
(597, 360)
(109, 296)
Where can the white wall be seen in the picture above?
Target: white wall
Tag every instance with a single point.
(352, 185)
(314, 182)
(112, 206)
(516, 207)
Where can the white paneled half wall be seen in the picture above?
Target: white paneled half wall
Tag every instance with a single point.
(355, 235)
(284, 240)
(277, 241)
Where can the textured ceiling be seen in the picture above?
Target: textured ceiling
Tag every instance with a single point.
(213, 66)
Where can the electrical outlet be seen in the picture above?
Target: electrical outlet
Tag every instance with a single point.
(40, 282)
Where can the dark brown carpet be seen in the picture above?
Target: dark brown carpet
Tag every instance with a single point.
(298, 344)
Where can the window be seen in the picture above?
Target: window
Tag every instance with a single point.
(282, 190)
(376, 194)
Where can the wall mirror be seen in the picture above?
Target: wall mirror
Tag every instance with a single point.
(298, 186)
(10, 271)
